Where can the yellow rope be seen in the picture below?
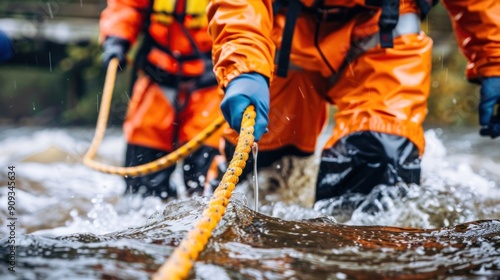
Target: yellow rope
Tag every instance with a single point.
(139, 170)
(182, 259)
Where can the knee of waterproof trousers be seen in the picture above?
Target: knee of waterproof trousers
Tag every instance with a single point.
(195, 168)
(360, 161)
(264, 158)
(153, 184)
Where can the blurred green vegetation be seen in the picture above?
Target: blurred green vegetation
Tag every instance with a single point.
(55, 76)
(453, 100)
(68, 91)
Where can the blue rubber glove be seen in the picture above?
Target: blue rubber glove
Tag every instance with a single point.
(244, 90)
(488, 118)
(6, 50)
(115, 47)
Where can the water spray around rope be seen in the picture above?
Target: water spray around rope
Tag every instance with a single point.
(255, 152)
(182, 259)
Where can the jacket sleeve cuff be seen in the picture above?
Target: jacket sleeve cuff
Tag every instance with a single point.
(226, 74)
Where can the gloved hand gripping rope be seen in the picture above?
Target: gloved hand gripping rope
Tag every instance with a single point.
(181, 261)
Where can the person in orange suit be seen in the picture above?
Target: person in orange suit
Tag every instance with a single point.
(292, 58)
(175, 93)
(477, 29)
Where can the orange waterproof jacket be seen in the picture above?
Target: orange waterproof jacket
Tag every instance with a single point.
(168, 42)
(254, 32)
(477, 30)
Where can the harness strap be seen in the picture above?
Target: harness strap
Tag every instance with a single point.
(149, 42)
(425, 6)
(173, 83)
(278, 5)
(407, 24)
(292, 13)
(388, 21)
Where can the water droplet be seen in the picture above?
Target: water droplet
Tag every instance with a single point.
(73, 213)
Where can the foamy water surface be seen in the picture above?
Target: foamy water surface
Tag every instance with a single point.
(68, 215)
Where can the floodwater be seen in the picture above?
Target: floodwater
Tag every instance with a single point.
(71, 222)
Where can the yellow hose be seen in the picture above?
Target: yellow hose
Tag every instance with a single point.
(150, 167)
(182, 259)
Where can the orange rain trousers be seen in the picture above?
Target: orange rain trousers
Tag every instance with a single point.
(383, 90)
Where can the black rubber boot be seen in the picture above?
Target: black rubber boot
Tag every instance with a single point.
(154, 184)
(362, 160)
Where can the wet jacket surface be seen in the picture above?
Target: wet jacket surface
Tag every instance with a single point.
(477, 30)
(255, 33)
(128, 18)
(175, 94)
(380, 93)
(371, 88)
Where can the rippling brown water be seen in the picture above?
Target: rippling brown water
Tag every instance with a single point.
(249, 245)
(73, 222)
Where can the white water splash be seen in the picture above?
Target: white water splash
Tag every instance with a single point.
(58, 195)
